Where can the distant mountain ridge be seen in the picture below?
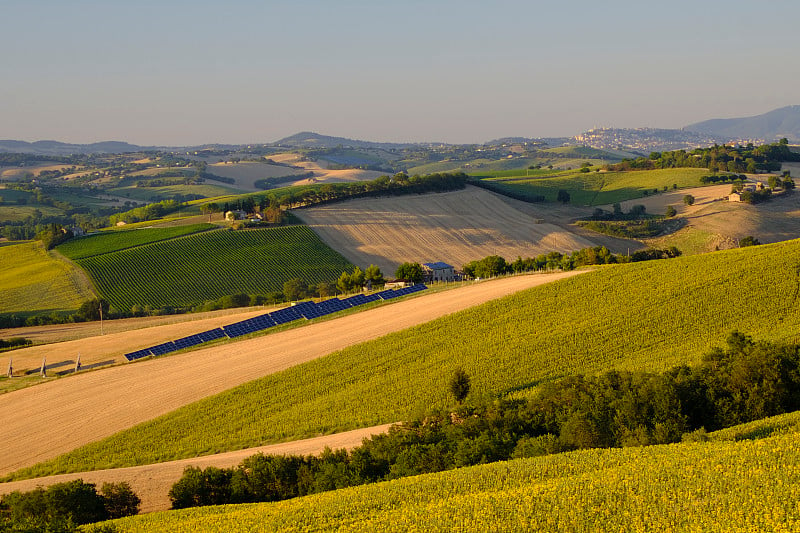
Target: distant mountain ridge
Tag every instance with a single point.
(59, 148)
(776, 124)
(309, 139)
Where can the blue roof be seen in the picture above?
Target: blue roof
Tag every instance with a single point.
(437, 266)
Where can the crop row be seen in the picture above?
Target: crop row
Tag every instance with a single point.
(640, 316)
(206, 266)
(715, 486)
(112, 241)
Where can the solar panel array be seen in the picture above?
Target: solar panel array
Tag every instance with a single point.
(308, 310)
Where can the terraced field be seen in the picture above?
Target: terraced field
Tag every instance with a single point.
(205, 266)
(33, 280)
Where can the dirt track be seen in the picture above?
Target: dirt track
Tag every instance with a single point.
(152, 482)
(454, 227)
(47, 420)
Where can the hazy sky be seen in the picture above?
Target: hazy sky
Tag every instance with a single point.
(175, 72)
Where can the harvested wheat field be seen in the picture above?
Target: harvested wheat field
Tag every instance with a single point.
(152, 482)
(454, 227)
(248, 172)
(46, 420)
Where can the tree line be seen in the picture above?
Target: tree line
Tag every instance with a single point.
(743, 382)
(63, 507)
(749, 158)
(494, 265)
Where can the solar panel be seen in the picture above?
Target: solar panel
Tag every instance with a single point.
(164, 348)
(371, 298)
(138, 354)
(211, 335)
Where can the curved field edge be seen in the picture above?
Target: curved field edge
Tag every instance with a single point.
(640, 316)
(33, 280)
(725, 486)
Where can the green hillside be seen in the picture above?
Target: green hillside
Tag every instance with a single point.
(33, 280)
(204, 266)
(639, 316)
(112, 241)
(750, 485)
(600, 188)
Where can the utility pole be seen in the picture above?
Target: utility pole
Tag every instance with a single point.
(101, 317)
(78, 363)
(43, 371)
(10, 367)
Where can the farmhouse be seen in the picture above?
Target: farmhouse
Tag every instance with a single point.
(438, 271)
(235, 215)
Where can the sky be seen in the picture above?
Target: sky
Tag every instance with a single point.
(182, 73)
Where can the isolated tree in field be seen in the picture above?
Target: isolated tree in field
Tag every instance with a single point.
(563, 196)
(688, 199)
(459, 384)
(670, 211)
(410, 271)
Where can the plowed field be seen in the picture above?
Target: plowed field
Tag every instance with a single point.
(454, 227)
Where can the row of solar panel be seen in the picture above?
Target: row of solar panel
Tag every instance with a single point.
(307, 310)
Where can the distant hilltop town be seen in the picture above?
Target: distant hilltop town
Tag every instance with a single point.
(646, 140)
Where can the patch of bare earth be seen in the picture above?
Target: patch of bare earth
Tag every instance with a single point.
(42, 422)
(153, 482)
(455, 227)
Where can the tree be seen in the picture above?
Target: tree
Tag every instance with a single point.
(343, 284)
(670, 211)
(748, 241)
(688, 199)
(295, 289)
(563, 196)
(120, 500)
(410, 271)
(374, 276)
(357, 279)
(459, 385)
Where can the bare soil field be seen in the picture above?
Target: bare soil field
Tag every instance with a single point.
(46, 420)
(153, 482)
(323, 174)
(454, 227)
(248, 172)
(15, 173)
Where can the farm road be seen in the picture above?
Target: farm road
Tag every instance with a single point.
(152, 482)
(44, 421)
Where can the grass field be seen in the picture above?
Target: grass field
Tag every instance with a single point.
(113, 241)
(208, 189)
(640, 316)
(599, 188)
(750, 485)
(33, 280)
(18, 213)
(191, 269)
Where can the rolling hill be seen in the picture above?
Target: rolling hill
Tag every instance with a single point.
(776, 124)
(639, 316)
